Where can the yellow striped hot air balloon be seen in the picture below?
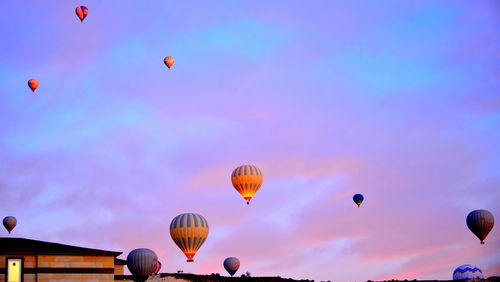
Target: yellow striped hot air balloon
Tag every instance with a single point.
(247, 179)
(189, 231)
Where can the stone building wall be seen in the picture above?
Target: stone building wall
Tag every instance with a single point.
(63, 268)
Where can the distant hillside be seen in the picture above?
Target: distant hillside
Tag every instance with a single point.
(489, 279)
(182, 277)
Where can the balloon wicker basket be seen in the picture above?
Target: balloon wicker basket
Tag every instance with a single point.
(140, 278)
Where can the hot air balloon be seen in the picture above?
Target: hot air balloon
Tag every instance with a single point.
(169, 61)
(142, 262)
(358, 199)
(9, 222)
(158, 267)
(466, 272)
(81, 12)
(247, 179)
(480, 222)
(189, 231)
(33, 84)
(231, 264)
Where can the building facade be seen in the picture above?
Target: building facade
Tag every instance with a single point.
(25, 260)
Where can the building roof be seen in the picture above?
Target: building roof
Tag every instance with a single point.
(120, 261)
(21, 246)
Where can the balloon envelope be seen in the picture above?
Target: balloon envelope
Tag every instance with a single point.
(169, 61)
(232, 264)
(158, 267)
(9, 222)
(467, 271)
(142, 262)
(189, 231)
(480, 222)
(33, 84)
(247, 180)
(81, 12)
(358, 199)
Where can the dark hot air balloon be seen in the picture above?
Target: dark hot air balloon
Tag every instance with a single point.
(81, 12)
(480, 222)
(189, 231)
(247, 179)
(142, 262)
(231, 264)
(33, 84)
(9, 222)
(358, 199)
(158, 267)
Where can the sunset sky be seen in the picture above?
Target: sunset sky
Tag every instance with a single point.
(397, 100)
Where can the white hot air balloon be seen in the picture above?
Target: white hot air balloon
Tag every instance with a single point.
(466, 272)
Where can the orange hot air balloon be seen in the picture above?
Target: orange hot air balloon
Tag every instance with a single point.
(169, 61)
(33, 84)
(81, 12)
(247, 179)
(189, 231)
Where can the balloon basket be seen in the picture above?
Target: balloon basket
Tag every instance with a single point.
(140, 278)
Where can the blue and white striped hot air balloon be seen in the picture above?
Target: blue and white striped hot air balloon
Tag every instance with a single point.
(467, 271)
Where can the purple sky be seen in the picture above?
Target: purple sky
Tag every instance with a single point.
(397, 100)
